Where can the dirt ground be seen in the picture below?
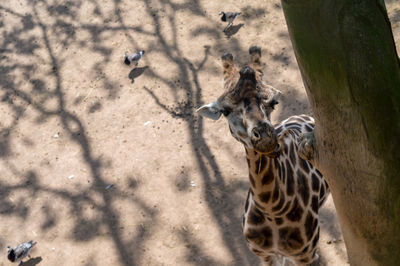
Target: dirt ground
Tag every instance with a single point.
(74, 119)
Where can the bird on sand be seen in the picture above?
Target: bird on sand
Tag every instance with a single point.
(133, 58)
(19, 252)
(228, 17)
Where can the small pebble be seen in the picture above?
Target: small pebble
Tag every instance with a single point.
(71, 176)
(334, 240)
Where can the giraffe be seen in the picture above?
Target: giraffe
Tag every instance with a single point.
(280, 221)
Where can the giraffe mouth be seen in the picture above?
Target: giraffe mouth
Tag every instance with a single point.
(270, 147)
(276, 152)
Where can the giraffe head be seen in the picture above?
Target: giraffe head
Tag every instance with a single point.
(247, 103)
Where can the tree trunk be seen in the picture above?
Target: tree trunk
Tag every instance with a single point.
(351, 72)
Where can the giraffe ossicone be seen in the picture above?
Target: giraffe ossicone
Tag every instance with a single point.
(281, 211)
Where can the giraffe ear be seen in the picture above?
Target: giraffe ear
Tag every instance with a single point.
(271, 94)
(210, 110)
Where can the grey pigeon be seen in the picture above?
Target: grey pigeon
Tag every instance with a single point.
(20, 251)
(229, 17)
(133, 58)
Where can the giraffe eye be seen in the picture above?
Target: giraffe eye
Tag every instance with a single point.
(226, 111)
(273, 103)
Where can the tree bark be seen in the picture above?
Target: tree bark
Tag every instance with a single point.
(350, 69)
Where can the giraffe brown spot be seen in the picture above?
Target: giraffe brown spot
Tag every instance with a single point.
(285, 148)
(279, 173)
(276, 163)
(322, 192)
(283, 211)
(304, 165)
(315, 240)
(261, 165)
(293, 126)
(268, 177)
(310, 225)
(292, 154)
(290, 238)
(266, 232)
(255, 217)
(296, 212)
(314, 183)
(283, 168)
(318, 173)
(252, 235)
(261, 237)
(315, 204)
(303, 188)
(257, 252)
(305, 261)
(252, 181)
(269, 259)
(278, 220)
(277, 167)
(264, 196)
(305, 250)
(308, 128)
(276, 193)
(278, 130)
(289, 179)
(246, 206)
(280, 204)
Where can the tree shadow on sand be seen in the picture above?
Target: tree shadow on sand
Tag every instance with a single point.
(30, 32)
(219, 194)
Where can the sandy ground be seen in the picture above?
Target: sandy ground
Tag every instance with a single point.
(74, 119)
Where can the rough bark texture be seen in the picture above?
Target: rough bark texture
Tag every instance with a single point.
(350, 68)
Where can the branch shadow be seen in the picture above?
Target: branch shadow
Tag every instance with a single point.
(217, 193)
(28, 34)
(195, 254)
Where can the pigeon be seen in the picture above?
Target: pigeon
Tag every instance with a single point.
(20, 251)
(133, 58)
(230, 17)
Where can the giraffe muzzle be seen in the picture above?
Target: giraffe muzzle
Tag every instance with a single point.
(264, 139)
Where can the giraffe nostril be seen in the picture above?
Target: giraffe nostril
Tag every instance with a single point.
(256, 134)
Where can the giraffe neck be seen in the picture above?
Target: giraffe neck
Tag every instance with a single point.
(265, 183)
